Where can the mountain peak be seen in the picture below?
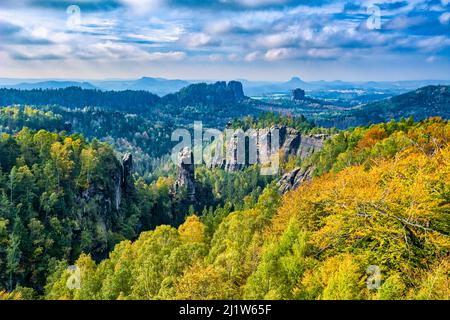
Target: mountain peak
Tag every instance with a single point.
(296, 79)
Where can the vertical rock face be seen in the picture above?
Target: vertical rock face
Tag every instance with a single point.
(234, 160)
(127, 168)
(123, 179)
(237, 89)
(310, 144)
(292, 180)
(302, 146)
(186, 173)
(118, 189)
(294, 143)
(264, 144)
(290, 142)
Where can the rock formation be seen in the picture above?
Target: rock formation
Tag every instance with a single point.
(217, 94)
(127, 167)
(233, 163)
(262, 144)
(291, 141)
(118, 188)
(237, 89)
(310, 144)
(298, 95)
(123, 179)
(186, 174)
(292, 180)
(122, 183)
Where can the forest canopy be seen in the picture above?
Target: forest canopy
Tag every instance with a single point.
(388, 210)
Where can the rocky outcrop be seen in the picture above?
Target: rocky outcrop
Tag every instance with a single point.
(262, 144)
(237, 89)
(118, 187)
(311, 143)
(290, 141)
(127, 167)
(123, 179)
(122, 184)
(292, 180)
(298, 95)
(235, 158)
(186, 174)
(217, 94)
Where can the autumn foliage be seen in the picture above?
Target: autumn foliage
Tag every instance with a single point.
(380, 201)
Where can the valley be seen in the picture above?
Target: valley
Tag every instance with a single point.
(86, 181)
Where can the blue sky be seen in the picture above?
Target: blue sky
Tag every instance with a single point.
(225, 39)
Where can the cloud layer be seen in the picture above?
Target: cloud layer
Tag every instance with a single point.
(240, 34)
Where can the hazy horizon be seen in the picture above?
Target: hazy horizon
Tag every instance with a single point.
(262, 80)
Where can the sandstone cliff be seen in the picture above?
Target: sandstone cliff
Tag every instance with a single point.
(293, 179)
(186, 174)
(262, 143)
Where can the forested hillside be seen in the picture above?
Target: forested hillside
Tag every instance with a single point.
(135, 122)
(92, 185)
(153, 150)
(61, 195)
(380, 202)
(419, 104)
(75, 97)
(215, 104)
(147, 138)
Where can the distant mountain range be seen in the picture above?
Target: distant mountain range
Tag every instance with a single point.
(157, 86)
(52, 84)
(161, 86)
(261, 88)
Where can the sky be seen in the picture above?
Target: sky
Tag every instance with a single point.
(270, 40)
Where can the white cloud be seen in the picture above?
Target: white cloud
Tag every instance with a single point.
(332, 8)
(157, 35)
(404, 22)
(244, 22)
(40, 32)
(324, 53)
(199, 40)
(40, 52)
(255, 3)
(118, 51)
(433, 43)
(110, 50)
(252, 56)
(220, 27)
(153, 30)
(143, 6)
(431, 59)
(168, 56)
(233, 57)
(444, 18)
(53, 36)
(215, 58)
(280, 54)
(277, 40)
